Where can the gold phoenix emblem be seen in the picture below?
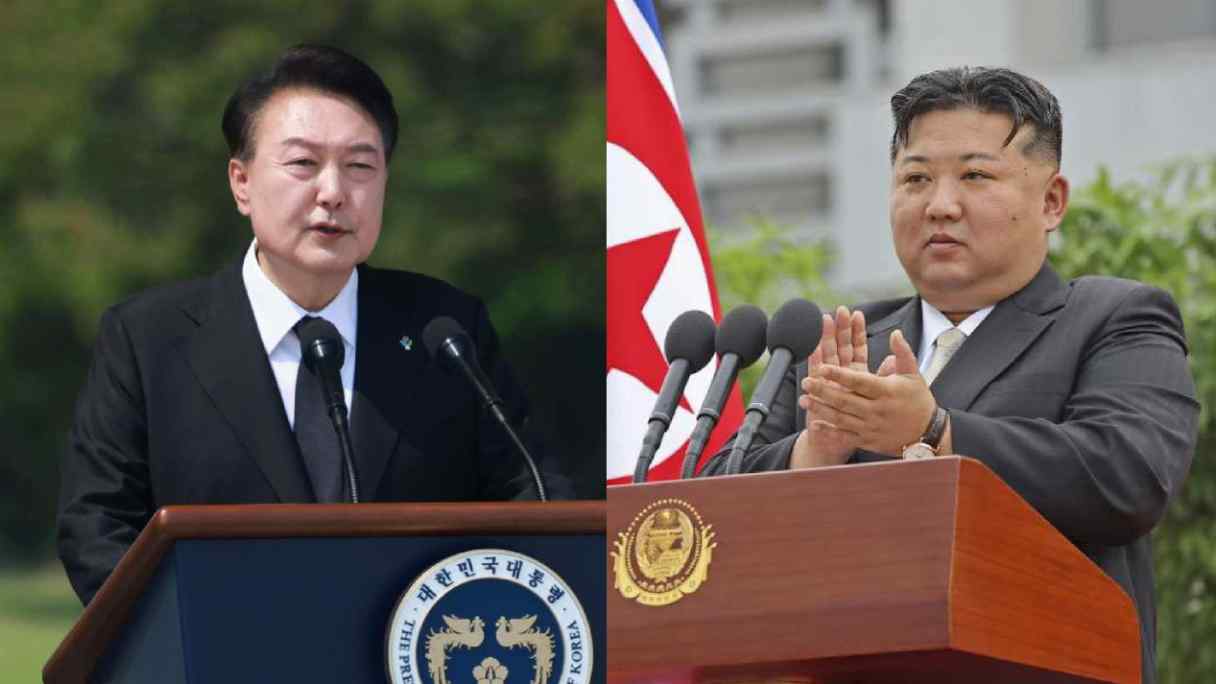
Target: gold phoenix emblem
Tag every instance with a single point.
(664, 554)
(460, 633)
(470, 633)
(521, 633)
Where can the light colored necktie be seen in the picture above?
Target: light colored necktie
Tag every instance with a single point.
(943, 349)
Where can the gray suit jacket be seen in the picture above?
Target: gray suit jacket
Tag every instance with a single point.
(1077, 395)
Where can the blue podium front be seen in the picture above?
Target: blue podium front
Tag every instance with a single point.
(499, 596)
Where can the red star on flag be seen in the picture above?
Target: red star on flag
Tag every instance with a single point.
(633, 270)
(658, 258)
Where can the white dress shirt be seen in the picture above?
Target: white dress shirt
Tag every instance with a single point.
(934, 323)
(276, 314)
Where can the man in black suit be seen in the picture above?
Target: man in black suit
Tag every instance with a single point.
(197, 393)
(1077, 394)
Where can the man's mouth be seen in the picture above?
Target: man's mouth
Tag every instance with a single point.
(328, 229)
(942, 239)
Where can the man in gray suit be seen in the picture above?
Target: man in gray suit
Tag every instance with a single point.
(1078, 395)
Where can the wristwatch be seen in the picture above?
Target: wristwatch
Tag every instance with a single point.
(930, 442)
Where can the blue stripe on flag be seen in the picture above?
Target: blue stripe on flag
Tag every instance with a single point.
(646, 7)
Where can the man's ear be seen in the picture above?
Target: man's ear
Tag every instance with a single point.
(1055, 201)
(238, 181)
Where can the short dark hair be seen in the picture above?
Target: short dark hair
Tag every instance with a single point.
(1003, 91)
(316, 67)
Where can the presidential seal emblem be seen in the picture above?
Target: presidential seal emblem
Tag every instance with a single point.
(664, 554)
(489, 616)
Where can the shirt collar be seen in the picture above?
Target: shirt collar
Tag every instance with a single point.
(934, 323)
(276, 314)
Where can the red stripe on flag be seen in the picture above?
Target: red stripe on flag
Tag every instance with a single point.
(641, 119)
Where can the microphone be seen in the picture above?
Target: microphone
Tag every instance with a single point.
(793, 333)
(322, 353)
(689, 345)
(739, 342)
(452, 348)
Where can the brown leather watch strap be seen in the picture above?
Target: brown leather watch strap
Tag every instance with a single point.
(937, 428)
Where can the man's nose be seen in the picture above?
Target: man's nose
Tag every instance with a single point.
(944, 205)
(330, 191)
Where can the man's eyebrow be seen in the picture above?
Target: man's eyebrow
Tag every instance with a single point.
(363, 147)
(970, 156)
(356, 147)
(978, 155)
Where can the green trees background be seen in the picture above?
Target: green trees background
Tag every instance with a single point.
(112, 179)
(1164, 232)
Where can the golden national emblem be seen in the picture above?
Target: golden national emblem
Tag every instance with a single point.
(664, 554)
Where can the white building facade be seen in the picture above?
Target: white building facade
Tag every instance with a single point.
(785, 102)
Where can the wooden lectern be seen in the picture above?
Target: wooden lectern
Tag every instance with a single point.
(302, 593)
(907, 571)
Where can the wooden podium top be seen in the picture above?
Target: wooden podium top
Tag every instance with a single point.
(904, 571)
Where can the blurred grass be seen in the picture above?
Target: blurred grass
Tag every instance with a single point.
(37, 607)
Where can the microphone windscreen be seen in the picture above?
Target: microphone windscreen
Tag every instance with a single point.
(742, 333)
(690, 337)
(796, 326)
(320, 342)
(437, 331)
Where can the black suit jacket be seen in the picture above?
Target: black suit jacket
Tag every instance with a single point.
(1077, 395)
(181, 407)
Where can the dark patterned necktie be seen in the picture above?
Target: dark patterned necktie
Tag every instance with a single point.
(316, 435)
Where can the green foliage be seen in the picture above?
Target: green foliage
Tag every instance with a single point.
(1163, 232)
(769, 267)
(37, 607)
(112, 179)
(766, 269)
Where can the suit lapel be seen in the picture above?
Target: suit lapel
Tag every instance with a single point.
(384, 369)
(905, 318)
(230, 363)
(1009, 330)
